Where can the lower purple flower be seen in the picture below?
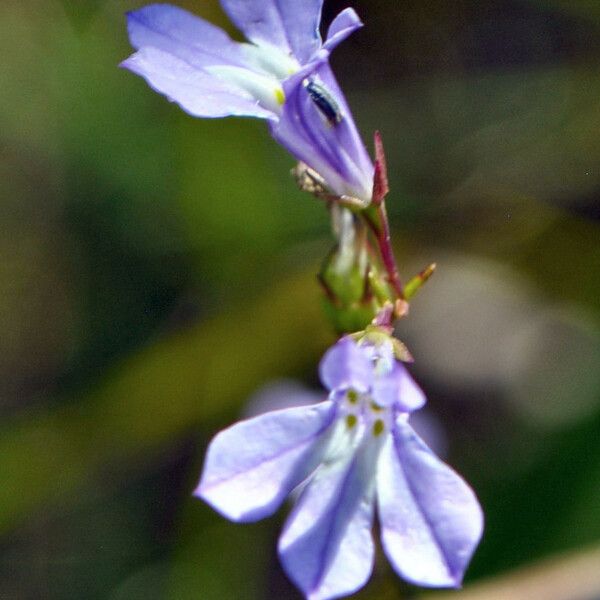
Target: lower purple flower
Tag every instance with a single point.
(353, 451)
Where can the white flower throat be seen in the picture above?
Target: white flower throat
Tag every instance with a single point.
(264, 84)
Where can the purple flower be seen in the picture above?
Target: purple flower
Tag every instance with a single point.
(282, 75)
(352, 451)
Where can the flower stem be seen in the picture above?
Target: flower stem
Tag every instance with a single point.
(376, 217)
(377, 220)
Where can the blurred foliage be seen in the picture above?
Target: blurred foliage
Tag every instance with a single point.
(158, 269)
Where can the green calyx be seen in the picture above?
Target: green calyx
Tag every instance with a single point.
(355, 289)
(355, 292)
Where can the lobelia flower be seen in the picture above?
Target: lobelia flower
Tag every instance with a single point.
(282, 75)
(350, 452)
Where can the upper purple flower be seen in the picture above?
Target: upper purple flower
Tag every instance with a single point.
(353, 451)
(282, 75)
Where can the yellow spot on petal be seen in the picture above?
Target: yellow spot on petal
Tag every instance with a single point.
(280, 96)
(375, 407)
(378, 427)
(351, 421)
(352, 396)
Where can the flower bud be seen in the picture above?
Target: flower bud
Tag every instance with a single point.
(355, 289)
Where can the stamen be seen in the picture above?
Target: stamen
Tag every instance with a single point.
(352, 396)
(351, 421)
(378, 427)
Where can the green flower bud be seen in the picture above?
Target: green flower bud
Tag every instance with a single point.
(355, 289)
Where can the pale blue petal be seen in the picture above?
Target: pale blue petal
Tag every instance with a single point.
(253, 465)
(346, 23)
(411, 396)
(386, 387)
(326, 546)
(398, 388)
(334, 150)
(183, 35)
(350, 137)
(346, 366)
(199, 93)
(290, 25)
(431, 521)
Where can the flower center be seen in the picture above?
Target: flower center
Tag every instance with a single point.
(268, 68)
(265, 89)
(271, 60)
(359, 408)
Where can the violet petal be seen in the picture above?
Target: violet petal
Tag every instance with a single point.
(346, 366)
(349, 137)
(431, 520)
(397, 387)
(290, 25)
(184, 35)
(334, 150)
(253, 465)
(199, 93)
(344, 24)
(326, 546)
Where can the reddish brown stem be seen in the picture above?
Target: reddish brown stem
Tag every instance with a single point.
(376, 217)
(381, 228)
(380, 178)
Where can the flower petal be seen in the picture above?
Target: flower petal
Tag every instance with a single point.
(346, 366)
(411, 396)
(431, 520)
(326, 546)
(290, 25)
(199, 93)
(184, 35)
(346, 23)
(397, 387)
(334, 150)
(350, 138)
(252, 466)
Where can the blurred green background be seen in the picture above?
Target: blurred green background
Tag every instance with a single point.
(156, 270)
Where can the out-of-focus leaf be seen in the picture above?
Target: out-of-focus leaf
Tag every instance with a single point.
(82, 11)
(200, 375)
(220, 560)
(531, 513)
(491, 140)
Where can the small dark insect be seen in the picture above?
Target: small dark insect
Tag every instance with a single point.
(324, 101)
